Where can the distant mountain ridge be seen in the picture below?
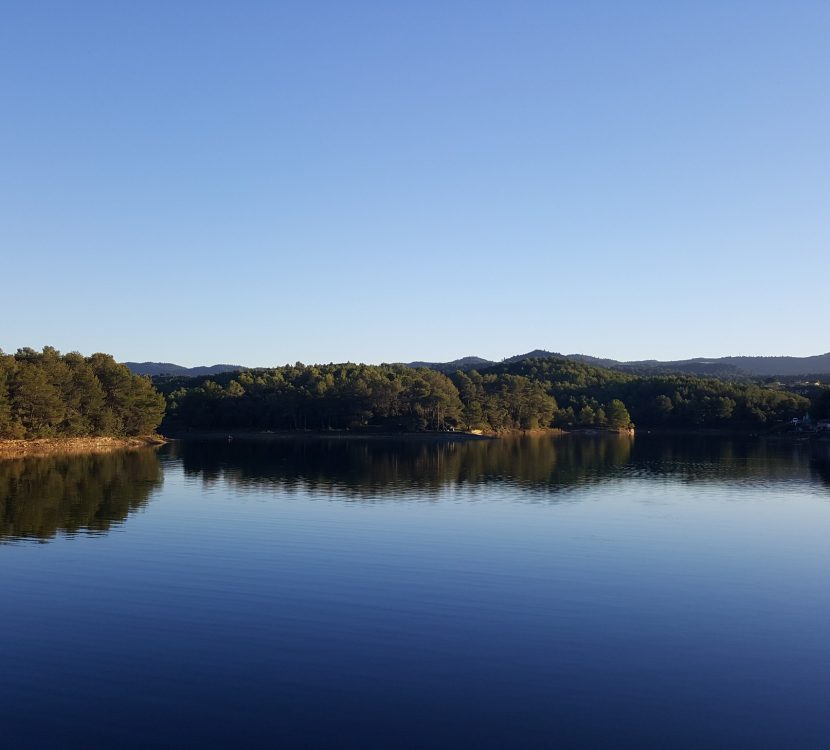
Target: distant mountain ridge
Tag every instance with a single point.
(739, 366)
(465, 363)
(168, 368)
(723, 367)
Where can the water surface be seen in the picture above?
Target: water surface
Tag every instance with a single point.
(558, 592)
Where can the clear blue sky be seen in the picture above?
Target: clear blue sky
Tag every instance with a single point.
(264, 182)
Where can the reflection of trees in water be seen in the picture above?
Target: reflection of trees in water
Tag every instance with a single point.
(699, 458)
(373, 466)
(547, 464)
(820, 464)
(821, 471)
(42, 496)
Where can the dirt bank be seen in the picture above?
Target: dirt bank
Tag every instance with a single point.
(74, 446)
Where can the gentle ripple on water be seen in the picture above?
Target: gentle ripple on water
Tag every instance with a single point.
(565, 592)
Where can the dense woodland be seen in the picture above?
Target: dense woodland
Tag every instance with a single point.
(49, 394)
(46, 394)
(664, 400)
(532, 393)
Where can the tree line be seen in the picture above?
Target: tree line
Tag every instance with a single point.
(45, 394)
(49, 394)
(348, 396)
(661, 400)
(533, 393)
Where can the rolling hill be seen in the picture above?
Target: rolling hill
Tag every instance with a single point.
(168, 368)
(721, 367)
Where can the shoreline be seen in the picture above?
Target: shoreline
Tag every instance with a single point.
(326, 435)
(71, 446)
(427, 436)
(23, 448)
(471, 436)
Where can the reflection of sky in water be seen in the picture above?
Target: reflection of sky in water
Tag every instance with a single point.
(590, 598)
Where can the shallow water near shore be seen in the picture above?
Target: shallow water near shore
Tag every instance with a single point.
(564, 591)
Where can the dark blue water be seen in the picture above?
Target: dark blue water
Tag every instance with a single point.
(557, 593)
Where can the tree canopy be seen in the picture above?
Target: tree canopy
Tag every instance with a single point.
(529, 394)
(47, 394)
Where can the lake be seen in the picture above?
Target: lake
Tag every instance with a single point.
(562, 592)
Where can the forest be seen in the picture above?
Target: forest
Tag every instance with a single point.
(533, 393)
(47, 394)
(660, 400)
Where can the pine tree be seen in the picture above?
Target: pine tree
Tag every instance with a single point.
(36, 403)
(618, 416)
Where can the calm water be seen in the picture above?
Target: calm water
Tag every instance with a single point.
(558, 593)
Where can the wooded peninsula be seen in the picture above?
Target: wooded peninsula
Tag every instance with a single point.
(51, 395)
(48, 394)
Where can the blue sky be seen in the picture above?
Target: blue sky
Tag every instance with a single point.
(261, 183)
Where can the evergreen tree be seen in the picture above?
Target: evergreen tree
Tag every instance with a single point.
(618, 416)
(587, 417)
(6, 421)
(45, 394)
(36, 403)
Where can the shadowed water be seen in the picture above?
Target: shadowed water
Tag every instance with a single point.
(564, 592)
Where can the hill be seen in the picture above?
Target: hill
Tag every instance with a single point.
(463, 364)
(766, 366)
(154, 369)
(720, 367)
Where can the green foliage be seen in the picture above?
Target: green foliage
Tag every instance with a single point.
(7, 423)
(353, 396)
(46, 394)
(670, 400)
(618, 416)
(523, 395)
(316, 397)
(504, 401)
(587, 417)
